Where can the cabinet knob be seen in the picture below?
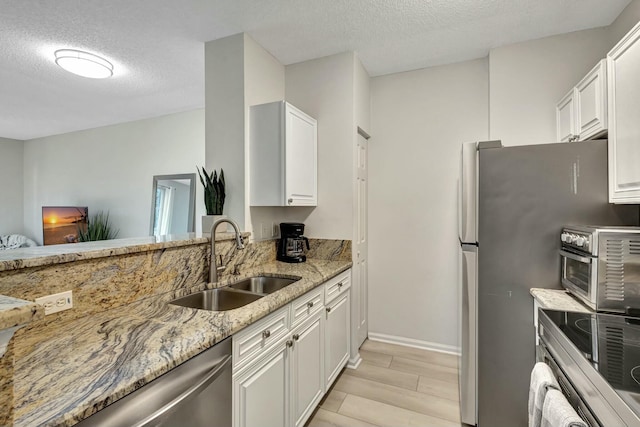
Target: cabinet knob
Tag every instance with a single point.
(266, 334)
(296, 337)
(289, 343)
(328, 309)
(310, 304)
(339, 285)
(290, 201)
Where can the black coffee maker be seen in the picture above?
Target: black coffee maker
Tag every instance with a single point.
(291, 243)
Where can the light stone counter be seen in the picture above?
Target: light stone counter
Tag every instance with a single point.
(87, 363)
(39, 256)
(14, 313)
(558, 299)
(17, 312)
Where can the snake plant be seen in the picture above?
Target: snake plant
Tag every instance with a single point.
(214, 193)
(98, 228)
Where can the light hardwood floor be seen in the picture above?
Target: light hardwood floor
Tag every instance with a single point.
(393, 386)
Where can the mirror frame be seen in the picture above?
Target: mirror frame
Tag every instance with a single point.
(192, 199)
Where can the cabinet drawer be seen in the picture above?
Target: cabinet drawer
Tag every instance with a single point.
(305, 306)
(259, 336)
(337, 286)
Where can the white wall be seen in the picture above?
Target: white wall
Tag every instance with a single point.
(225, 120)
(324, 89)
(624, 22)
(111, 168)
(264, 82)
(528, 79)
(419, 120)
(239, 74)
(11, 177)
(361, 97)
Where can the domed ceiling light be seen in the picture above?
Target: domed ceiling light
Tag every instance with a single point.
(84, 64)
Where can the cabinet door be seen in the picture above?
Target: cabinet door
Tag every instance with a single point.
(337, 337)
(301, 159)
(591, 102)
(565, 117)
(623, 69)
(307, 372)
(261, 392)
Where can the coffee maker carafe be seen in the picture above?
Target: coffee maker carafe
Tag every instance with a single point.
(291, 243)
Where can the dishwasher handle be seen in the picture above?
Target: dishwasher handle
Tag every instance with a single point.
(187, 394)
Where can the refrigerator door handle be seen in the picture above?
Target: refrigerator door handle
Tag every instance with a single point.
(468, 374)
(467, 193)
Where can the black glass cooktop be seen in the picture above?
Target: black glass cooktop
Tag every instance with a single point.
(611, 343)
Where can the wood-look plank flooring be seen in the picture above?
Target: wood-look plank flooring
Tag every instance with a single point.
(393, 386)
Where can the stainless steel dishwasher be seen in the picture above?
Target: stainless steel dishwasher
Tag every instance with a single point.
(196, 393)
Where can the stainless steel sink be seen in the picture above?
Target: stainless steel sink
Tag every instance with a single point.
(263, 284)
(220, 299)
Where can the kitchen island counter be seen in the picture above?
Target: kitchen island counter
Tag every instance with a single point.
(85, 364)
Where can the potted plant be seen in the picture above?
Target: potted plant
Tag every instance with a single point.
(214, 195)
(98, 228)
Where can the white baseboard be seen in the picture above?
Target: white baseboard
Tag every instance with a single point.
(410, 342)
(353, 363)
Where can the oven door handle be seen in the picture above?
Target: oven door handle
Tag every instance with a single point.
(576, 257)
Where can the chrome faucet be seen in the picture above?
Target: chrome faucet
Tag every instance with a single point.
(213, 268)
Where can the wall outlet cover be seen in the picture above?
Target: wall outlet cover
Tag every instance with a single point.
(56, 302)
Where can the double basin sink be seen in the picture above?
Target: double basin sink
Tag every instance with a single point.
(235, 295)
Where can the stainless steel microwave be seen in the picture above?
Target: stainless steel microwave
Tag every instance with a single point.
(601, 266)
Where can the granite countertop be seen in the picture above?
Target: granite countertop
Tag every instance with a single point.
(38, 256)
(558, 299)
(89, 363)
(17, 312)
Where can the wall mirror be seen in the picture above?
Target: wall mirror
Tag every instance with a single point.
(173, 204)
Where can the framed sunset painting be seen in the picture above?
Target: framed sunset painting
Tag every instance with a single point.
(60, 224)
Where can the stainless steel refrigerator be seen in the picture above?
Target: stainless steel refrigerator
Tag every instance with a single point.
(514, 202)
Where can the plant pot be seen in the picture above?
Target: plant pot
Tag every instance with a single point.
(207, 222)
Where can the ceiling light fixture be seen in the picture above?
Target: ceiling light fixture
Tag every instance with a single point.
(84, 64)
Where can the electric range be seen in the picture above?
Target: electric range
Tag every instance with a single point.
(600, 355)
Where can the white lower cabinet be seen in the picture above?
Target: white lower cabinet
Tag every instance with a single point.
(282, 370)
(261, 392)
(307, 373)
(337, 337)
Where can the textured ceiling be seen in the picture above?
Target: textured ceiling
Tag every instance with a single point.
(157, 46)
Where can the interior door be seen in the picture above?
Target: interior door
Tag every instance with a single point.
(362, 241)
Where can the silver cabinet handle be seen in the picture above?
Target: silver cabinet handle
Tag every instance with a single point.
(289, 343)
(266, 334)
(310, 304)
(296, 337)
(290, 201)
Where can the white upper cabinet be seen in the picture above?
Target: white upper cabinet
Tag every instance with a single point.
(582, 113)
(283, 156)
(623, 63)
(565, 117)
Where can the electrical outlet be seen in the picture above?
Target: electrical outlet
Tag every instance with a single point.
(265, 230)
(56, 302)
(275, 229)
